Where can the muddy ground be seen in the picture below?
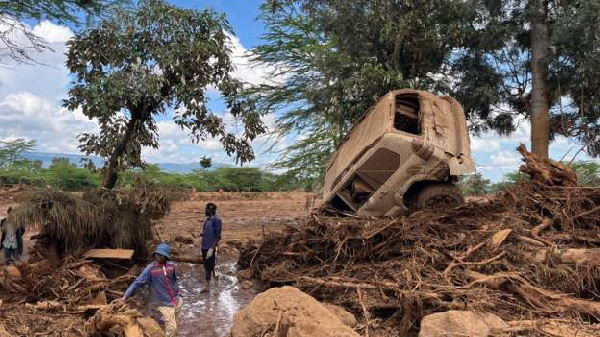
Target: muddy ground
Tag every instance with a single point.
(245, 216)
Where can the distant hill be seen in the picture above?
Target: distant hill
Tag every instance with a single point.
(46, 159)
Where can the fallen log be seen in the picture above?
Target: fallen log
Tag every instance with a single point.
(589, 256)
(550, 328)
(537, 297)
(53, 305)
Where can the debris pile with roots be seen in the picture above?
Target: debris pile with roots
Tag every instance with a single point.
(120, 218)
(530, 254)
(73, 299)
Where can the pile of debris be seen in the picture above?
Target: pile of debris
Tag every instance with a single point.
(70, 300)
(119, 218)
(530, 253)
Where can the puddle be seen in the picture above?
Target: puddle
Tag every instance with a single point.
(210, 314)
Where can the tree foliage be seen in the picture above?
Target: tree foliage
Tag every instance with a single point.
(205, 162)
(333, 59)
(15, 13)
(11, 152)
(474, 184)
(139, 64)
(494, 68)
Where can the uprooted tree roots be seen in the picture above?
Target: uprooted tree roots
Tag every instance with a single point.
(71, 300)
(530, 253)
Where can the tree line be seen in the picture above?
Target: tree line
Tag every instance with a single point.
(68, 176)
(588, 174)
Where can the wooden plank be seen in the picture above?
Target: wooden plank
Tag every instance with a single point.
(122, 254)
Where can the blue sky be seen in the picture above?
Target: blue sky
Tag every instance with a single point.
(30, 97)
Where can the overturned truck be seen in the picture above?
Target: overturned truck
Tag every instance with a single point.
(404, 154)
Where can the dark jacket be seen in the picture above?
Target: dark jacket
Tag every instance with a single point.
(211, 232)
(20, 232)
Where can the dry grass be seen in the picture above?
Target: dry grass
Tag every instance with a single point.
(114, 219)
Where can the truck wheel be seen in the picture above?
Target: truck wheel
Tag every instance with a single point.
(439, 196)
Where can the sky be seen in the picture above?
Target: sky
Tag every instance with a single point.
(30, 104)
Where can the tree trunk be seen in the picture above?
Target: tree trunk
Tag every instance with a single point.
(111, 171)
(540, 109)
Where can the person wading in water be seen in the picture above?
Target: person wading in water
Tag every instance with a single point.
(211, 235)
(166, 295)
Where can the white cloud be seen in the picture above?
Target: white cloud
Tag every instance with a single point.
(52, 33)
(484, 145)
(252, 73)
(505, 159)
(25, 115)
(30, 96)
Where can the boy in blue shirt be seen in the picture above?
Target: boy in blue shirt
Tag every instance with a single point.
(211, 235)
(161, 276)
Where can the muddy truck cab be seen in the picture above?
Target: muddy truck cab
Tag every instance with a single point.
(404, 154)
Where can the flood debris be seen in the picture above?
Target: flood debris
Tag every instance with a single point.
(528, 253)
(72, 224)
(118, 254)
(73, 299)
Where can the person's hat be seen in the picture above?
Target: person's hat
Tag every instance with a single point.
(163, 249)
(211, 206)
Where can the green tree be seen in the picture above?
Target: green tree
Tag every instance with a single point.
(510, 179)
(247, 179)
(15, 13)
(588, 173)
(138, 64)
(12, 151)
(61, 162)
(333, 59)
(474, 184)
(205, 162)
(537, 60)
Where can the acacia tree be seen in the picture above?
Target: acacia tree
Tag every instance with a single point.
(333, 59)
(15, 13)
(536, 60)
(145, 62)
(12, 151)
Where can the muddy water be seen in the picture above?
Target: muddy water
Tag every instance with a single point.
(210, 314)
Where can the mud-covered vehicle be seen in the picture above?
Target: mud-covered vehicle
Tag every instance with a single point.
(404, 154)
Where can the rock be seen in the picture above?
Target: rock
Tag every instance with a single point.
(461, 324)
(299, 314)
(3, 331)
(344, 316)
(13, 272)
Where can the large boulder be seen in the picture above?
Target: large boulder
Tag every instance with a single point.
(344, 316)
(289, 310)
(461, 324)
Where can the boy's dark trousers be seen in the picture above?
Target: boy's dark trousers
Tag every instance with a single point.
(11, 255)
(209, 264)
